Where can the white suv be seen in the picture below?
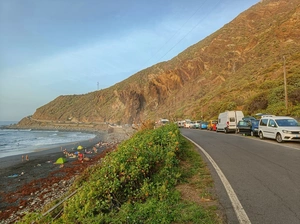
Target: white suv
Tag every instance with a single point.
(279, 127)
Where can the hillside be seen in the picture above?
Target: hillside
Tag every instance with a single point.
(240, 66)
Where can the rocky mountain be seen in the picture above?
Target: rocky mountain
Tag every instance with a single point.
(241, 66)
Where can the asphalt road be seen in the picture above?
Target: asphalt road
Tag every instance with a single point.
(264, 175)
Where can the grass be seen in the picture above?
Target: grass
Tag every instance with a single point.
(198, 199)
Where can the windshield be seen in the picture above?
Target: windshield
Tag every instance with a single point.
(287, 122)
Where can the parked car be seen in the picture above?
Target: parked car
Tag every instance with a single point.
(248, 127)
(187, 123)
(228, 120)
(180, 124)
(163, 121)
(281, 128)
(192, 124)
(212, 125)
(197, 124)
(248, 118)
(203, 125)
(254, 127)
(243, 127)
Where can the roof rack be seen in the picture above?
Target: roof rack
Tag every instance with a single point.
(267, 115)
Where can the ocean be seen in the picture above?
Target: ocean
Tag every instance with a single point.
(18, 141)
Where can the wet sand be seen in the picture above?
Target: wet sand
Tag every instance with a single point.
(45, 153)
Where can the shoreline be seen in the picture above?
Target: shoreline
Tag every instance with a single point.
(29, 185)
(11, 160)
(108, 135)
(58, 127)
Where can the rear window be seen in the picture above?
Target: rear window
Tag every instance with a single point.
(232, 119)
(263, 122)
(243, 123)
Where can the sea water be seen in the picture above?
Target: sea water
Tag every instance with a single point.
(22, 141)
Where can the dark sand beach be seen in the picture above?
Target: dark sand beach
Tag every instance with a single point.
(29, 185)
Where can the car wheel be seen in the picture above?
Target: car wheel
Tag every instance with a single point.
(261, 136)
(251, 133)
(279, 138)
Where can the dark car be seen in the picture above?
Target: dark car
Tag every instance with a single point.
(248, 118)
(254, 127)
(243, 127)
(248, 127)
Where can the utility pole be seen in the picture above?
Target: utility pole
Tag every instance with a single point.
(97, 85)
(285, 86)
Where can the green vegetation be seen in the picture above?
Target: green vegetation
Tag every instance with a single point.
(141, 182)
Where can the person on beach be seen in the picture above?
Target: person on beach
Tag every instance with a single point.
(80, 157)
(66, 152)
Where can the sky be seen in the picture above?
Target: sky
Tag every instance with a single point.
(50, 48)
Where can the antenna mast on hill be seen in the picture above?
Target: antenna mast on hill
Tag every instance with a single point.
(97, 85)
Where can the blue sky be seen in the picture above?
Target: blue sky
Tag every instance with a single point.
(50, 48)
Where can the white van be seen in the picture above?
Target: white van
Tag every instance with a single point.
(228, 120)
(180, 124)
(281, 128)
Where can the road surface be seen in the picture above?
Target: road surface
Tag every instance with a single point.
(263, 175)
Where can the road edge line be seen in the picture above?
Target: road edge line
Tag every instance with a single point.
(236, 204)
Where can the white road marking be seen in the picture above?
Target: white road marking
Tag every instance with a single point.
(237, 206)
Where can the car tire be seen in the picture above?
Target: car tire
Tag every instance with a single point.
(261, 136)
(279, 138)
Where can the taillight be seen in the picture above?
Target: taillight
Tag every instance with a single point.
(227, 123)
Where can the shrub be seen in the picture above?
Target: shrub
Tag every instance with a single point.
(294, 96)
(142, 167)
(258, 103)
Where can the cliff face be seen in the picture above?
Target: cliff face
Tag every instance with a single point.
(238, 67)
